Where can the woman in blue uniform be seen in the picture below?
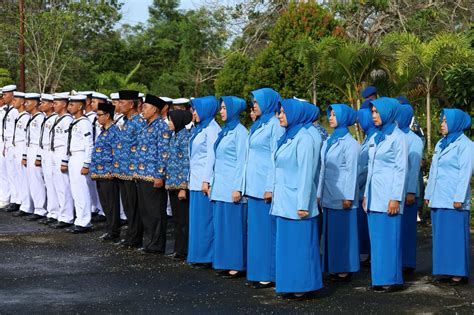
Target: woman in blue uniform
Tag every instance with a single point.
(312, 114)
(227, 185)
(384, 196)
(448, 194)
(412, 191)
(177, 179)
(298, 269)
(364, 118)
(264, 134)
(338, 195)
(201, 162)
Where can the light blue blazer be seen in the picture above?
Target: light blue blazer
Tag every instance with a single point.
(363, 167)
(294, 187)
(228, 174)
(318, 142)
(259, 164)
(338, 176)
(450, 175)
(386, 176)
(415, 154)
(201, 160)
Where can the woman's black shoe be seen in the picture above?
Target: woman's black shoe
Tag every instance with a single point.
(250, 283)
(337, 278)
(453, 283)
(238, 274)
(387, 288)
(201, 266)
(295, 296)
(220, 273)
(259, 285)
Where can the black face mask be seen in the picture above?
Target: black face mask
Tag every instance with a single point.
(180, 119)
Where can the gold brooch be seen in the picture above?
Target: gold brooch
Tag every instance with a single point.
(131, 167)
(166, 135)
(144, 147)
(98, 149)
(116, 164)
(100, 167)
(133, 149)
(141, 166)
(119, 145)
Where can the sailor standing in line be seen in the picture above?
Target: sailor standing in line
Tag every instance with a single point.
(44, 158)
(19, 144)
(11, 114)
(79, 151)
(4, 188)
(58, 146)
(35, 180)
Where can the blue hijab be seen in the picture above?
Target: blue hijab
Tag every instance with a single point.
(234, 106)
(267, 100)
(206, 108)
(345, 116)
(457, 121)
(388, 109)
(295, 116)
(366, 122)
(365, 104)
(311, 113)
(404, 117)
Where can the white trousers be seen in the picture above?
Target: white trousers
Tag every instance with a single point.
(21, 180)
(80, 190)
(36, 182)
(47, 165)
(12, 175)
(62, 188)
(4, 184)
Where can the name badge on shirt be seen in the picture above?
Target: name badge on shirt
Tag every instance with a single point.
(371, 145)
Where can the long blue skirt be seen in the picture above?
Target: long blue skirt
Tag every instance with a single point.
(340, 241)
(298, 263)
(386, 248)
(363, 228)
(230, 242)
(450, 242)
(201, 229)
(409, 235)
(260, 241)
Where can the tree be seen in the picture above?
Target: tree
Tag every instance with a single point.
(5, 77)
(459, 82)
(110, 81)
(233, 78)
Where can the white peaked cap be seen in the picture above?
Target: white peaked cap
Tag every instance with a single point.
(166, 99)
(32, 96)
(180, 101)
(18, 94)
(114, 96)
(9, 88)
(77, 98)
(47, 97)
(99, 96)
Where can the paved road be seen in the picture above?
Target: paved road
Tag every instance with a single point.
(48, 271)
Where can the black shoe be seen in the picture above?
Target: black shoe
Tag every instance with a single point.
(98, 218)
(12, 207)
(441, 280)
(60, 225)
(126, 243)
(337, 278)
(21, 214)
(94, 214)
(463, 281)
(145, 250)
(176, 256)
(238, 274)
(107, 237)
(250, 283)
(388, 288)
(123, 223)
(201, 266)
(295, 296)
(259, 285)
(79, 229)
(51, 221)
(35, 217)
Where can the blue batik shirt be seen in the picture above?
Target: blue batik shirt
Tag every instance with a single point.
(103, 153)
(177, 171)
(324, 134)
(126, 147)
(152, 152)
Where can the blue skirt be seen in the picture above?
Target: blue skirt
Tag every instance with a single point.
(230, 242)
(298, 263)
(340, 241)
(201, 228)
(409, 235)
(386, 248)
(363, 229)
(450, 242)
(260, 241)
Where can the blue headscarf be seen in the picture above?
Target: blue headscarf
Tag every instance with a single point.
(403, 100)
(267, 100)
(457, 121)
(206, 108)
(388, 109)
(404, 117)
(234, 106)
(364, 117)
(365, 104)
(311, 113)
(295, 116)
(345, 116)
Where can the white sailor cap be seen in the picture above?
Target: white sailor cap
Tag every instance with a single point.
(47, 97)
(32, 96)
(99, 96)
(18, 94)
(167, 99)
(77, 98)
(180, 101)
(299, 99)
(9, 88)
(64, 96)
(86, 93)
(114, 96)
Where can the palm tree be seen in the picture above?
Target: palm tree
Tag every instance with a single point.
(111, 81)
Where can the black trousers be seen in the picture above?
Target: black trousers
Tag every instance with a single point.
(109, 196)
(129, 194)
(181, 221)
(152, 204)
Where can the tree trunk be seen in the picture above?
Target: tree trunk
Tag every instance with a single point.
(356, 126)
(428, 116)
(314, 91)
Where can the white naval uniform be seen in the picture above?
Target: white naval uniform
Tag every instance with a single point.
(4, 186)
(62, 186)
(35, 180)
(7, 136)
(119, 121)
(45, 156)
(80, 153)
(95, 201)
(21, 178)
